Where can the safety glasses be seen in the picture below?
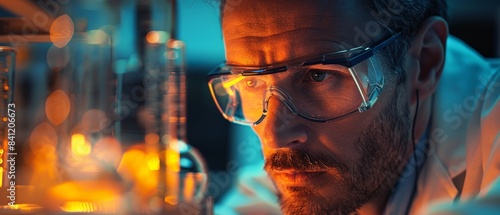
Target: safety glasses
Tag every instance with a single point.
(321, 89)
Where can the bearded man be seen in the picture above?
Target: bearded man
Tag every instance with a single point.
(352, 107)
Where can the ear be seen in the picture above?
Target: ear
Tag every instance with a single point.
(427, 55)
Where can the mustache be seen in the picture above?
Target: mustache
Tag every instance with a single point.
(302, 160)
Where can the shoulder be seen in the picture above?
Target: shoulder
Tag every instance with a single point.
(466, 112)
(465, 76)
(481, 121)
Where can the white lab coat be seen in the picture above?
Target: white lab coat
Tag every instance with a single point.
(464, 135)
(466, 119)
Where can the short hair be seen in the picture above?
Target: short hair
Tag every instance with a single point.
(403, 16)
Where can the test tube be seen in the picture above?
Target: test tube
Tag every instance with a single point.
(7, 112)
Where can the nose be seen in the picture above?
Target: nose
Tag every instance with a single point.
(281, 128)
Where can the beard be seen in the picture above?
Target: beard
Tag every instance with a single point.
(383, 148)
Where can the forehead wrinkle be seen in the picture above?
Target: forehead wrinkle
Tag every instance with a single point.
(236, 34)
(270, 26)
(257, 51)
(267, 32)
(296, 50)
(267, 15)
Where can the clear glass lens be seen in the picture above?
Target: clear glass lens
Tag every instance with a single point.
(317, 92)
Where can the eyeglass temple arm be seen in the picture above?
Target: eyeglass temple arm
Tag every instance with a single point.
(372, 50)
(358, 58)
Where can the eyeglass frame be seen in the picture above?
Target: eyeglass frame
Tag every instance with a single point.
(349, 62)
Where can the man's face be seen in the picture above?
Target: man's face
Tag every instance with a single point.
(333, 167)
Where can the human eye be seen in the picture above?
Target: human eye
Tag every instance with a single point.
(253, 83)
(320, 75)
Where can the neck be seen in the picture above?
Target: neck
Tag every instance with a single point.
(376, 205)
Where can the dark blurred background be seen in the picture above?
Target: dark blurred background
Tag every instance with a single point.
(477, 22)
